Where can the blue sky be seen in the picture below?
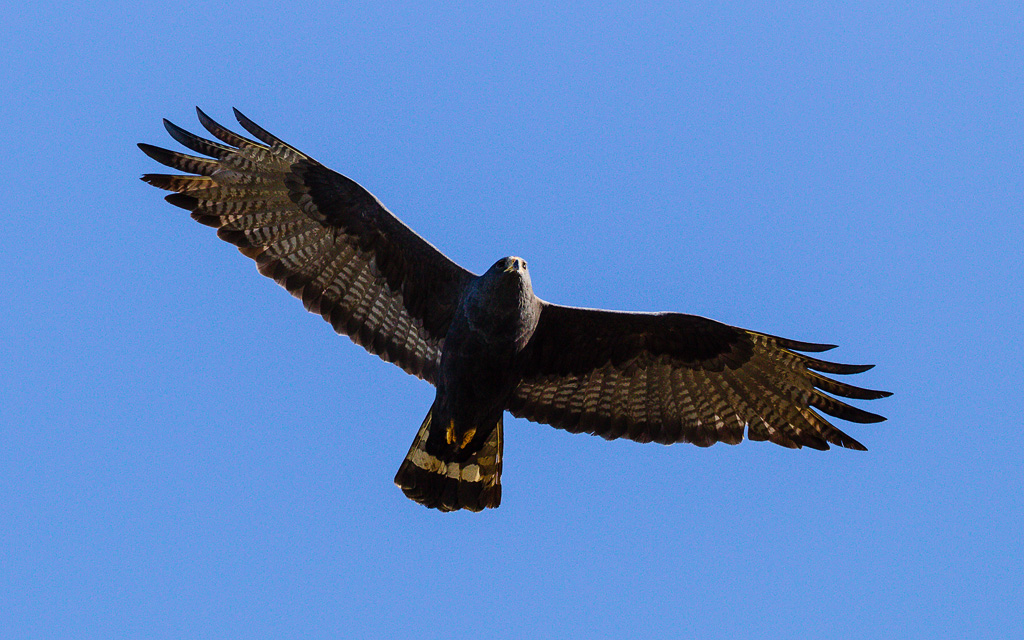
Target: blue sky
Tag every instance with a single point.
(188, 454)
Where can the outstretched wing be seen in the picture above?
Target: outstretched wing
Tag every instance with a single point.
(670, 377)
(321, 236)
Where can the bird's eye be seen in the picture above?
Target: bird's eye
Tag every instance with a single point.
(524, 264)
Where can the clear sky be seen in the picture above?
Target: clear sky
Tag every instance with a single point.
(186, 453)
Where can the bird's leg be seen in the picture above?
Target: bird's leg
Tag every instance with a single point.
(451, 437)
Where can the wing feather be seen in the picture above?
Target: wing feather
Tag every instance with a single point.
(320, 235)
(197, 144)
(672, 377)
(226, 135)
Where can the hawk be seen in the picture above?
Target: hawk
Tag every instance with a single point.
(486, 342)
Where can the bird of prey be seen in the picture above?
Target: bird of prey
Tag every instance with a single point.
(486, 342)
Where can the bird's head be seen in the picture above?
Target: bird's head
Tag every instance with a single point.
(511, 264)
(507, 278)
(510, 272)
(502, 299)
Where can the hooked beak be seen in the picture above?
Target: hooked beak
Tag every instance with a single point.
(514, 264)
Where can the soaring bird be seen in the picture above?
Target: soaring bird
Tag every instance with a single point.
(486, 342)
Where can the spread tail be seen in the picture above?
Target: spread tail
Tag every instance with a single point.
(441, 482)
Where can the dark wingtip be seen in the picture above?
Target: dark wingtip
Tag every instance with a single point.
(242, 119)
(161, 155)
(835, 367)
(867, 394)
(256, 130)
(861, 416)
(846, 390)
(845, 441)
(203, 118)
(181, 135)
(813, 347)
(181, 200)
(797, 345)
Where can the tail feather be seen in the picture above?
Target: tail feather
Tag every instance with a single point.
(449, 485)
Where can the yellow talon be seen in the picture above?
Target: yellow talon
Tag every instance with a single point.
(452, 438)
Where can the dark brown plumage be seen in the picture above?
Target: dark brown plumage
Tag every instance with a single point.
(487, 342)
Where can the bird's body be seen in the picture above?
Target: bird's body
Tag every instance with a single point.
(493, 323)
(486, 342)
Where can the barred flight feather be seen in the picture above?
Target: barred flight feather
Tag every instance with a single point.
(323, 247)
(755, 382)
